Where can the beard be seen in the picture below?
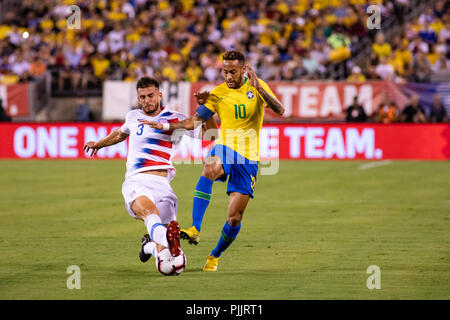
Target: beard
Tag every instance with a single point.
(235, 84)
(150, 110)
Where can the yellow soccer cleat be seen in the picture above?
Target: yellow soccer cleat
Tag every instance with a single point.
(191, 234)
(211, 264)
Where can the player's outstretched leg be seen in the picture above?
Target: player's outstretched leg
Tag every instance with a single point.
(145, 210)
(202, 196)
(238, 203)
(227, 237)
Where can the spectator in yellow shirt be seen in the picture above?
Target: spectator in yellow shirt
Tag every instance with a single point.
(193, 71)
(168, 72)
(116, 15)
(47, 23)
(100, 65)
(356, 75)
(228, 21)
(381, 47)
(4, 30)
(397, 63)
(404, 53)
(432, 55)
(131, 76)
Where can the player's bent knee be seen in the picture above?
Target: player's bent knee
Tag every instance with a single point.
(143, 207)
(143, 214)
(235, 220)
(212, 170)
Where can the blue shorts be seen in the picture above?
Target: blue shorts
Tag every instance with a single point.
(242, 171)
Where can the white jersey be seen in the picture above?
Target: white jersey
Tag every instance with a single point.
(149, 148)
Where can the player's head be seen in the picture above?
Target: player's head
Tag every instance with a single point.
(149, 96)
(233, 63)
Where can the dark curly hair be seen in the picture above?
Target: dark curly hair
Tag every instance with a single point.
(234, 55)
(146, 82)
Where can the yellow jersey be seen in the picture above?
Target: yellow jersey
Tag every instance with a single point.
(241, 113)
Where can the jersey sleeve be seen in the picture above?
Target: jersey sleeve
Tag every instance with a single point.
(207, 110)
(125, 128)
(213, 99)
(267, 88)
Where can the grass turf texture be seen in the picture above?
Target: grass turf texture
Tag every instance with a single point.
(310, 233)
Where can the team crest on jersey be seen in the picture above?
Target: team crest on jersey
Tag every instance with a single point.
(250, 94)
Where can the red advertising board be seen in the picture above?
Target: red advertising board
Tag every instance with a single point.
(15, 99)
(282, 141)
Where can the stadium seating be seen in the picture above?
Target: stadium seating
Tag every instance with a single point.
(183, 40)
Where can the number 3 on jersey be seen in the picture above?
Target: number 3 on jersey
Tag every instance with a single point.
(141, 129)
(239, 111)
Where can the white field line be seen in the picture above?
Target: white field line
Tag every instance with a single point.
(375, 164)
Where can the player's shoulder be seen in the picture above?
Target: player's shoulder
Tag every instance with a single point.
(218, 93)
(262, 82)
(133, 114)
(220, 89)
(266, 87)
(172, 114)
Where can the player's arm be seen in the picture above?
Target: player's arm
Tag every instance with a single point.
(187, 124)
(271, 101)
(209, 127)
(203, 114)
(209, 130)
(114, 137)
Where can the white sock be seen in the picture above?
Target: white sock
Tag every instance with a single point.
(156, 230)
(150, 248)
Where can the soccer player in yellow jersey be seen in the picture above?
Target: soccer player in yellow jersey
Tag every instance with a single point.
(239, 103)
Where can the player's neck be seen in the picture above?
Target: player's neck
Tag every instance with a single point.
(243, 81)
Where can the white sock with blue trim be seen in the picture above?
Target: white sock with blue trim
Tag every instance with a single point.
(150, 248)
(156, 230)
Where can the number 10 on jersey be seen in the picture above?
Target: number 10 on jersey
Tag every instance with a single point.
(239, 111)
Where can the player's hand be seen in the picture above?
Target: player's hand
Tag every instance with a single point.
(91, 145)
(152, 124)
(252, 77)
(201, 97)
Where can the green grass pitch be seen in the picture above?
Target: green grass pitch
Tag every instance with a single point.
(311, 233)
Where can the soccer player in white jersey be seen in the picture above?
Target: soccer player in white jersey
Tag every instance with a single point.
(146, 190)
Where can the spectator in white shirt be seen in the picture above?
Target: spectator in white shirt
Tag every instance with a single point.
(116, 39)
(427, 16)
(228, 42)
(129, 10)
(384, 70)
(211, 73)
(20, 67)
(15, 37)
(418, 45)
(445, 32)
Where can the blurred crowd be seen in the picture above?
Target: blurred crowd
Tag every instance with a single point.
(183, 40)
(388, 112)
(421, 49)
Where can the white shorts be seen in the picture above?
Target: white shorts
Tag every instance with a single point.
(154, 187)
